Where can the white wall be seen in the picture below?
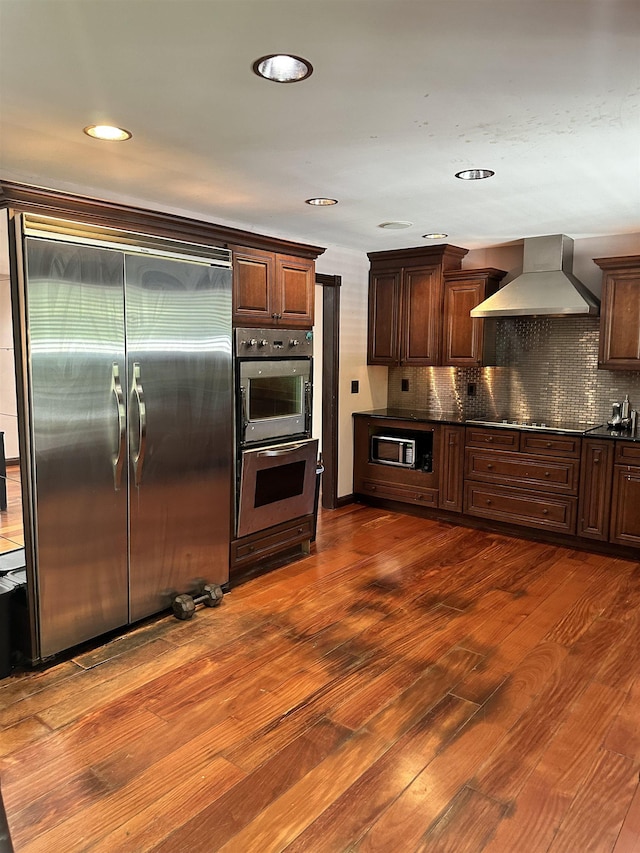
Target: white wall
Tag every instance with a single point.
(353, 267)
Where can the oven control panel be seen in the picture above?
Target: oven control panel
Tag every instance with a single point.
(273, 343)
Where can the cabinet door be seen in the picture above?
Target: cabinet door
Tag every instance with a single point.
(595, 489)
(463, 334)
(383, 333)
(253, 275)
(620, 320)
(422, 313)
(294, 288)
(625, 510)
(451, 468)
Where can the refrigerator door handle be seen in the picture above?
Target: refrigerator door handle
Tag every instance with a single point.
(137, 391)
(117, 460)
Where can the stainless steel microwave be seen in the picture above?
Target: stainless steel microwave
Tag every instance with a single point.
(393, 450)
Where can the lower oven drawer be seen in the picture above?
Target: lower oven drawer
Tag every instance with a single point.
(548, 512)
(394, 492)
(277, 484)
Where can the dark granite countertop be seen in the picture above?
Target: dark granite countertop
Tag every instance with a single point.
(425, 416)
(619, 435)
(418, 415)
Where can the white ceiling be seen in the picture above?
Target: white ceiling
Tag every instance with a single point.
(404, 94)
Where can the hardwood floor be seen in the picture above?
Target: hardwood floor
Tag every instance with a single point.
(11, 532)
(409, 686)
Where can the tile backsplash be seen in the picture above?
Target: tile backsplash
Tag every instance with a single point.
(546, 369)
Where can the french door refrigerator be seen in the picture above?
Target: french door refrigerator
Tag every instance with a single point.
(129, 387)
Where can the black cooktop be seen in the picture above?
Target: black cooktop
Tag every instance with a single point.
(577, 428)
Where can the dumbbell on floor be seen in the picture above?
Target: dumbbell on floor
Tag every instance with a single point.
(184, 605)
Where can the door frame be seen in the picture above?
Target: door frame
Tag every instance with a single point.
(330, 375)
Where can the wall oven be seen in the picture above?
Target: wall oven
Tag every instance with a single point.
(273, 385)
(277, 458)
(277, 484)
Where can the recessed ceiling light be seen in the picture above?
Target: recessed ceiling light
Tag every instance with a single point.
(435, 236)
(282, 68)
(321, 202)
(395, 225)
(474, 174)
(107, 132)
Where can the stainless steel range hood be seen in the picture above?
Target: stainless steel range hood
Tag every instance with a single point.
(546, 287)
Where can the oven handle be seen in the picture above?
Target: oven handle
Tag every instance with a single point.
(282, 451)
(243, 414)
(307, 408)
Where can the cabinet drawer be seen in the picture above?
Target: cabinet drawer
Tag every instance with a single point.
(525, 472)
(498, 439)
(396, 492)
(550, 445)
(551, 512)
(259, 545)
(627, 453)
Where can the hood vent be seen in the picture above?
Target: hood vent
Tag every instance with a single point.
(546, 287)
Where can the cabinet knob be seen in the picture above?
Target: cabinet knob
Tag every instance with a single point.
(548, 444)
(373, 488)
(489, 467)
(274, 316)
(490, 438)
(545, 512)
(546, 474)
(488, 502)
(596, 461)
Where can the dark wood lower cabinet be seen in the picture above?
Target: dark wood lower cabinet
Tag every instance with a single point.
(625, 506)
(257, 550)
(594, 501)
(515, 506)
(570, 488)
(451, 469)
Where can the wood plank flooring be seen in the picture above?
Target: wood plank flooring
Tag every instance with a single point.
(11, 532)
(409, 686)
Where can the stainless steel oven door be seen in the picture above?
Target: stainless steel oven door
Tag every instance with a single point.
(277, 484)
(274, 399)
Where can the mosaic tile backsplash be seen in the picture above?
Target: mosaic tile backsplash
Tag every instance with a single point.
(546, 369)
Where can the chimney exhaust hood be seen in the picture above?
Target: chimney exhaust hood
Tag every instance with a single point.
(547, 286)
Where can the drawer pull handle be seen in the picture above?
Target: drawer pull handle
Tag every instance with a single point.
(545, 512)
(373, 488)
(489, 467)
(546, 474)
(548, 444)
(488, 502)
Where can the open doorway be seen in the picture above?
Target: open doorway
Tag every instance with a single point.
(11, 520)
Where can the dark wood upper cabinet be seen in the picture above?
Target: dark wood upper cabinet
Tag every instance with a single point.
(406, 291)
(620, 313)
(270, 289)
(295, 284)
(383, 346)
(468, 341)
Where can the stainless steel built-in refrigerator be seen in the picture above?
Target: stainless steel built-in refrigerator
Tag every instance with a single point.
(129, 401)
